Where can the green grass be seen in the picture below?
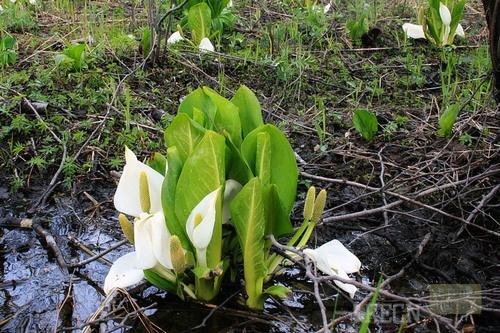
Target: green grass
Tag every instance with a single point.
(300, 61)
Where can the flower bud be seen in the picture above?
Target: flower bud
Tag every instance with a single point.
(127, 228)
(319, 205)
(177, 255)
(309, 203)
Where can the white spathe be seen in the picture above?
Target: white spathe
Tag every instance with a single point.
(152, 241)
(174, 38)
(151, 236)
(206, 45)
(460, 31)
(414, 31)
(327, 8)
(127, 196)
(334, 259)
(123, 274)
(200, 233)
(445, 14)
(232, 188)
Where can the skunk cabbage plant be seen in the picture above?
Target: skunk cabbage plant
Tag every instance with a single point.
(227, 182)
(438, 22)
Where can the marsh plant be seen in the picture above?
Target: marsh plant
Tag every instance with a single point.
(204, 212)
(72, 59)
(206, 20)
(438, 22)
(8, 55)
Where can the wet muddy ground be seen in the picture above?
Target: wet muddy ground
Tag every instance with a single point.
(410, 246)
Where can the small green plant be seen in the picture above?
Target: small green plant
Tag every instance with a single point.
(16, 17)
(394, 126)
(321, 125)
(7, 54)
(366, 123)
(146, 42)
(370, 310)
(438, 22)
(357, 28)
(447, 120)
(72, 59)
(465, 139)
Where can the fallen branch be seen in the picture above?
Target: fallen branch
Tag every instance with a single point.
(35, 224)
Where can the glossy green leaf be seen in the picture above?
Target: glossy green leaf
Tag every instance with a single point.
(158, 162)
(365, 123)
(277, 218)
(168, 197)
(227, 116)
(284, 171)
(248, 216)
(249, 109)
(201, 101)
(236, 167)
(162, 283)
(456, 16)
(203, 172)
(263, 158)
(184, 133)
(199, 21)
(279, 291)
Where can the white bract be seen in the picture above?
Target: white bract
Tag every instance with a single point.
(334, 259)
(139, 194)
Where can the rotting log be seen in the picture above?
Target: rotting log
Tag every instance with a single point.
(492, 14)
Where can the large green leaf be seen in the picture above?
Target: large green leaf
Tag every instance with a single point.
(456, 16)
(247, 213)
(203, 172)
(236, 167)
(183, 133)
(198, 99)
(263, 159)
(250, 110)
(277, 219)
(199, 21)
(174, 225)
(284, 171)
(227, 116)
